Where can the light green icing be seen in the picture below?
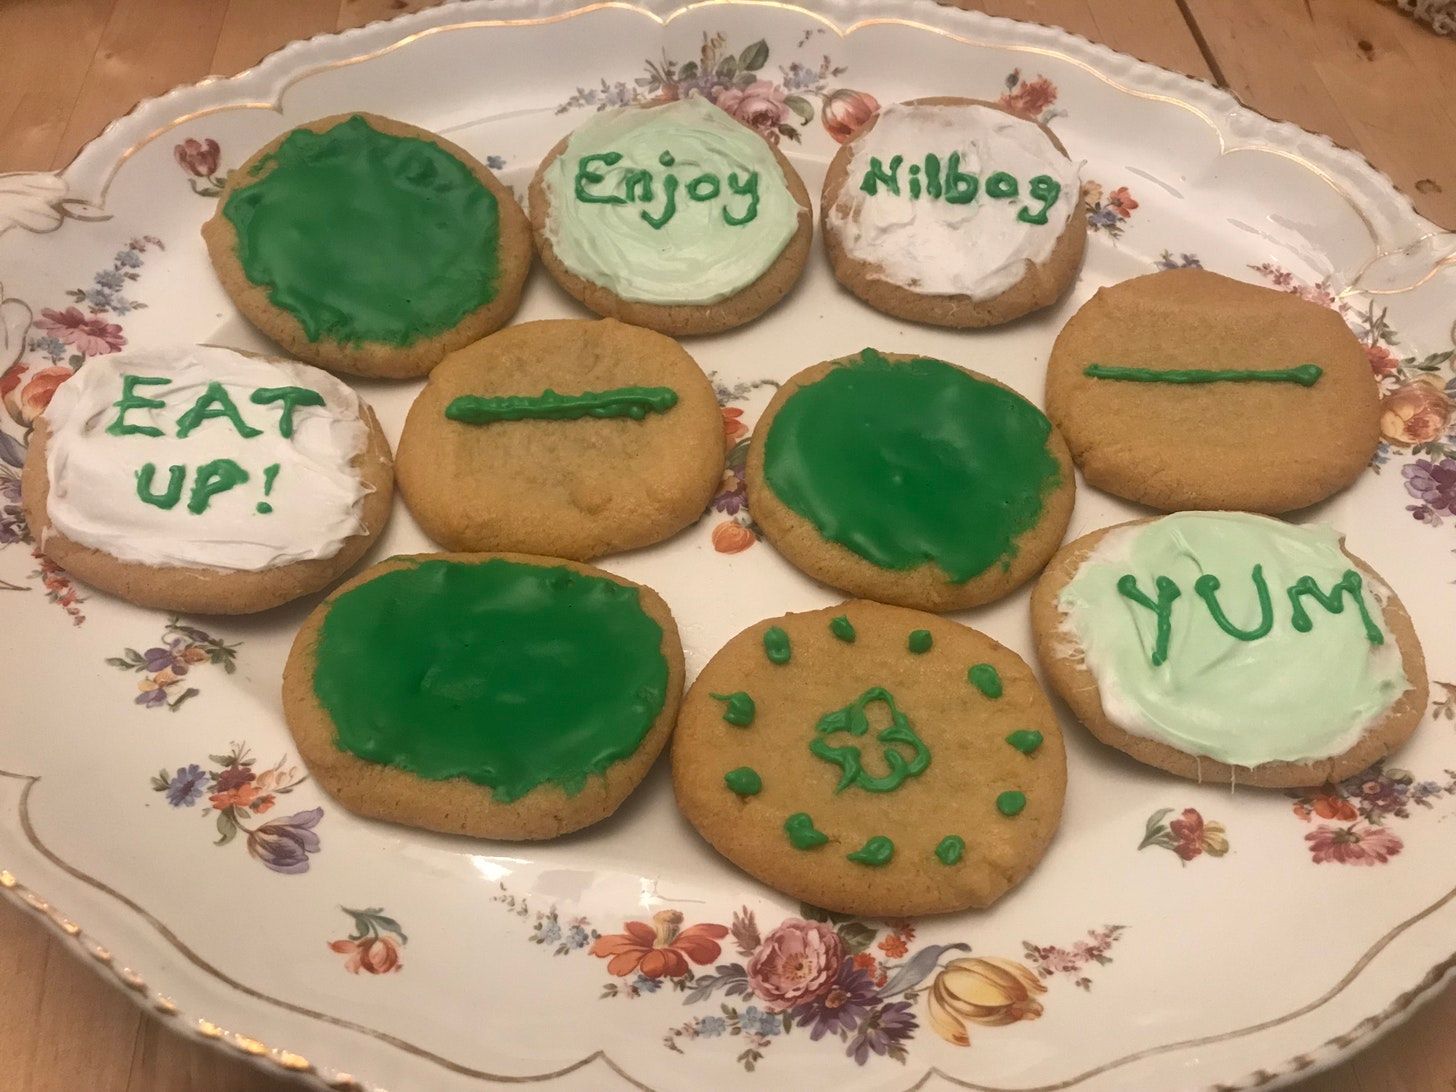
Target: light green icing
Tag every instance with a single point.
(1288, 695)
(701, 253)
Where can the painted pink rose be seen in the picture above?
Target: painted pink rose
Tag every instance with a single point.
(795, 963)
(91, 335)
(198, 157)
(760, 106)
(845, 111)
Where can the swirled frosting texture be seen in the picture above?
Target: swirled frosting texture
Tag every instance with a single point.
(697, 256)
(1286, 696)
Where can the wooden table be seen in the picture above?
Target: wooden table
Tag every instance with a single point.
(1354, 69)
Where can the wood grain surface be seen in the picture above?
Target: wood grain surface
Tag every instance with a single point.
(1357, 70)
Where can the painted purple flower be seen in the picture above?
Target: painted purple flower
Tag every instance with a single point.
(1432, 483)
(883, 1032)
(284, 844)
(186, 786)
(841, 1007)
(152, 697)
(158, 659)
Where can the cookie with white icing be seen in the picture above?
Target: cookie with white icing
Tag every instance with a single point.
(1229, 647)
(201, 479)
(676, 217)
(953, 212)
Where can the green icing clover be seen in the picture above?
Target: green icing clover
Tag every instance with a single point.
(854, 719)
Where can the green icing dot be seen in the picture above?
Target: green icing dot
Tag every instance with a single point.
(876, 852)
(744, 781)
(920, 641)
(776, 645)
(740, 708)
(951, 849)
(1025, 740)
(1011, 802)
(802, 833)
(842, 629)
(984, 678)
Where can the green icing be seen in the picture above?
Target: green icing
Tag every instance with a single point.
(985, 679)
(213, 478)
(507, 674)
(951, 849)
(876, 852)
(1206, 587)
(173, 493)
(130, 400)
(842, 629)
(1168, 593)
(1011, 803)
(920, 641)
(739, 710)
(633, 402)
(363, 236)
(1333, 601)
(802, 832)
(776, 645)
(292, 398)
(1305, 375)
(744, 781)
(1025, 740)
(854, 719)
(911, 463)
(215, 402)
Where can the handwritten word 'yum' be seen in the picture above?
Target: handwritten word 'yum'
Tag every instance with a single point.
(639, 188)
(950, 184)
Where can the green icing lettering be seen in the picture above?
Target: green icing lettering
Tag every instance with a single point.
(985, 679)
(507, 674)
(878, 176)
(920, 641)
(130, 400)
(1206, 587)
(270, 475)
(802, 833)
(669, 204)
(585, 177)
(213, 478)
(739, 710)
(633, 402)
(914, 181)
(746, 187)
(1011, 803)
(638, 185)
(705, 187)
(1025, 740)
(1001, 184)
(776, 645)
(951, 849)
(1305, 375)
(932, 175)
(854, 720)
(1333, 601)
(912, 463)
(1045, 189)
(875, 853)
(842, 628)
(1168, 592)
(744, 781)
(291, 397)
(367, 237)
(167, 500)
(214, 402)
(960, 188)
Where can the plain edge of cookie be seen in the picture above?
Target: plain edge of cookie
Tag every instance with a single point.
(1064, 668)
(373, 359)
(197, 590)
(458, 806)
(923, 587)
(601, 538)
(1041, 285)
(813, 896)
(749, 303)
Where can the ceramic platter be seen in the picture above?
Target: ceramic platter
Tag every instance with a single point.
(1176, 936)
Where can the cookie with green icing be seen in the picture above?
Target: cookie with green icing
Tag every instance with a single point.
(369, 246)
(566, 437)
(1230, 647)
(494, 695)
(909, 480)
(673, 216)
(878, 776)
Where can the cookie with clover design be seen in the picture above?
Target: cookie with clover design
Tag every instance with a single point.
(872, 760)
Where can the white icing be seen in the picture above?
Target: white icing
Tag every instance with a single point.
(978, 249)
(317, 496)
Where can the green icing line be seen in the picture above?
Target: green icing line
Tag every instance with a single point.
(744, 781)
(1306, 375)
(739, 710)
(842, 629)
(802, 832)
(363, 236)
(911, 463)
(633, 402)
(1348, 584)
(1206, 587)
(1011, 802)
(951, 849)
(509, 675)
(776, 645)
(876, 852)
(985, 679)
(854, 720)
(1025, 740)
(920, 641)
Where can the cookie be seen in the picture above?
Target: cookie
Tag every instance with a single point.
(871, 760)
(675, 217)
(368, 246)
(201, 479)
(1230, 648)
(909, 480)
(1187, 390)
(566, 437)
(494, 695)
(953, 212)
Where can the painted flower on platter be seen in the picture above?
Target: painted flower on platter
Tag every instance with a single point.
(1416, 412)
(662, 949)
(796, 962)
(1189, 835)
(845, 110)
(981, 990)
(198, 157)
(91, 335)
(374, 945)
(284, 845)
(760, 105)
(1355, 844)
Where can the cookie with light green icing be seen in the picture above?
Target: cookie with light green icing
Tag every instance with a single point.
(1230, 647)
(881, 775)
(673, 216)
(369, 246)
(494, 695)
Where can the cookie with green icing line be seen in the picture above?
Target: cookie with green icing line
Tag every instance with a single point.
(909, 480)
(566, 437)
(494, 695)
(368, 246)
(674, 216)
(1230, 648)
(1188, 390)
(870, 778)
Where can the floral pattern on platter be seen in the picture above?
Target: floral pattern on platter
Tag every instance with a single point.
(1035, 100)
(1107, 212)
(164, 666)
(1443, 707)
(1353, 815)
(1189, 835)
(734, 80)
(829, 976)
(738, 532)
(238, 793)
(199, 160)
(373, 947)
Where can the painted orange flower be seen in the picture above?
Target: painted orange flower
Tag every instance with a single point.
(371, 955)
(733, 427)
(25, 402)
(1327, 805)
(239, 797)
(662, 949)
(731, 537)
(1382, 360)
(1028, 99)
(845, 111)
(1416, 412)
(893, 946)
(1121, 202)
